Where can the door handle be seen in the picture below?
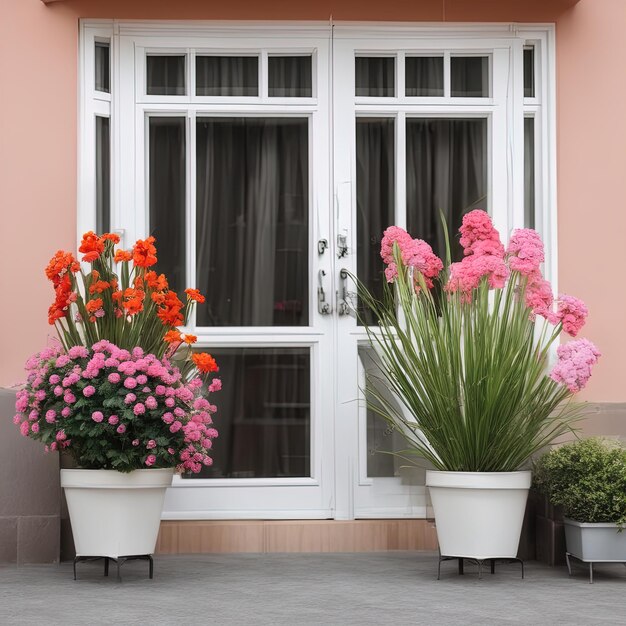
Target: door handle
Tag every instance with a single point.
(323, 307)
(343, 295)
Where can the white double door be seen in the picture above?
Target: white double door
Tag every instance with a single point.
(296, 439)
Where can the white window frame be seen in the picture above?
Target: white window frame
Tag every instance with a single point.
(127, 170)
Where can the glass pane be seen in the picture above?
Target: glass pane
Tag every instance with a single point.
(446, 169)
(252, 221)
(469, 77)
(529, 72)
(166, 75)
(383, 438)
(264, 414)
(529, 172)
(374, 198)
(227, 76)
(290, 77)
(103, 175)
(375, 76)
(424, 76)
(167, 196)
(103, 65)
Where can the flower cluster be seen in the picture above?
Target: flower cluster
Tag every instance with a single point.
(111, 408)
(415, 253)
(122, 299)
(573, 368)
(487, 262)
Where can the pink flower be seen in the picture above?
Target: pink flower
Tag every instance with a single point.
(35, 427)
(130, 398)
(51, 416)
(69, 397)
(62, 361)
(476, 226)
(572, 314)
(151, 403)
(40, 395)
(420, 256)
(58, 391)
(168, 418)
(61, 436)
(170, 450)
(78, 352)
(170, 402)
(178, 412)
(121, 429)
(135, 442)
(150, 460)
(139, 409)
(33, 415)
(66, 411)
(130, 383)
(54, 379)
(97, 416)
(151, 444)
(525, 251)
(216, 385)
(89, 390)
(175, 427)
(539, 297)
(468, 273)
(24, 428)
(114, 377)
(142, 379)
(113, 419)
(393, 234)
(160, 390)
(573, 368)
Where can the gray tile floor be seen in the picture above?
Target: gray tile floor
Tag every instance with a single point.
(374, 588)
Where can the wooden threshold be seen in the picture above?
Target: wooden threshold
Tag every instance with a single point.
(263, 536)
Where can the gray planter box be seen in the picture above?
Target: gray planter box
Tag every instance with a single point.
(594, 543)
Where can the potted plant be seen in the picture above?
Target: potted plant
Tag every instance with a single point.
(466, 347)
(587, 479)
(121, 392)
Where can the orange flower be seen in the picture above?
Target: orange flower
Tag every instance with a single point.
(59, 264)
(115, 238)
(189, 339)
(144, 252)
(117, 296)
(159, 283)
(93, 305)
(91, 246)
(99, 286)
(195, 295)
(113, 283)
(138, 282)
(63, 294)
(133, 301)
(122, 255)
(205, 362)
(172, 336)
(171, 317)
(158, 298)
(95, 274)
(54, 314)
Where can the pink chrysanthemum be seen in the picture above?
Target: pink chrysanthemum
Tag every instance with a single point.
(576, 359)
(572, 314)
(477, 226)
(525, 251)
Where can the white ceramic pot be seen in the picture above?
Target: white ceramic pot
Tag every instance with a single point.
(115, 514)
(479, 515)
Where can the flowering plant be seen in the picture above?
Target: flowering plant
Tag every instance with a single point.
(468, 360)
(123, 389)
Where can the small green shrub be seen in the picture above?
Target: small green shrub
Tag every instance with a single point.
(587, 479)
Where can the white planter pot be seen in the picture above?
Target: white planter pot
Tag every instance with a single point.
(479, 515)
(115, 514)
(595, 542)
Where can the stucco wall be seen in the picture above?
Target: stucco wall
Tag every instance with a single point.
(38, 66)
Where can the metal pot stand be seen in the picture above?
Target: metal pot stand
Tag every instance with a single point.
(479, 562)
(120, 560)
(573, 556)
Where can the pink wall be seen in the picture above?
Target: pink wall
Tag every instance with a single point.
(38, 59)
